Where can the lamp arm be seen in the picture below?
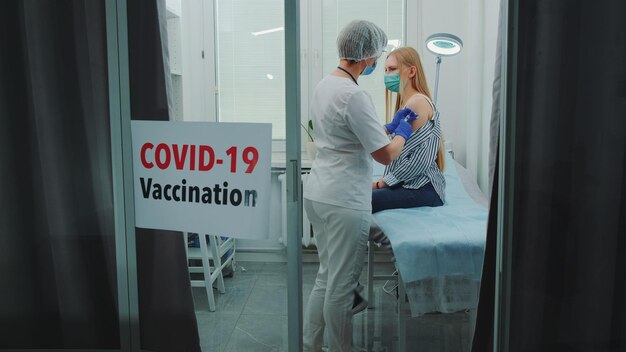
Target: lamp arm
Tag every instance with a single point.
(438, 61)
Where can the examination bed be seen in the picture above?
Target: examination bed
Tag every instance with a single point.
(438, 251)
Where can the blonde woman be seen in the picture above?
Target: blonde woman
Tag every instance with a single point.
(415, 179)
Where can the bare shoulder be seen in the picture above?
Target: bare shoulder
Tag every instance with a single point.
(420, 105)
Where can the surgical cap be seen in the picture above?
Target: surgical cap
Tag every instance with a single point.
(361, 40)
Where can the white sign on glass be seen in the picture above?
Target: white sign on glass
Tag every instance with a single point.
(203, 177)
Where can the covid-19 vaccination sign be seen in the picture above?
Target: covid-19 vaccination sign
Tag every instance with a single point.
(203, 177)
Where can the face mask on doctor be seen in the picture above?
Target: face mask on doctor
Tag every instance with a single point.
(369, 69)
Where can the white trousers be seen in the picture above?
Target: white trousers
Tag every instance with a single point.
(341, 235)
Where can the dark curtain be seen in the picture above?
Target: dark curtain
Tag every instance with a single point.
(483, 333)
(568, 279)
(57, 252)
(57, 241)
(166, 310)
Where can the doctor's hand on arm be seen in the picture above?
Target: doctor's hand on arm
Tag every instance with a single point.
(391, 151)
(422, 108)
(400, 115)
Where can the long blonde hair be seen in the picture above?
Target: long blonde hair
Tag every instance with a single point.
(408, 57)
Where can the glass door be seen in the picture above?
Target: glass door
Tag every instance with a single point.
(227, 68)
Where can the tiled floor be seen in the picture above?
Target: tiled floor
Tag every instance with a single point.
(252, 315)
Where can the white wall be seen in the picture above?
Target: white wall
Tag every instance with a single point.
(173, 6)
(198, 71)
(465, 81)
(490, 35)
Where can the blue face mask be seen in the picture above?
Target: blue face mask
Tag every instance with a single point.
(369, 69)
(392, 82)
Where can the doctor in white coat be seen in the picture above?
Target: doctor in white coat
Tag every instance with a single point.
(337, 193)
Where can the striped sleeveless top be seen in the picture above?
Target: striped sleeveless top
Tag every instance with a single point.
(416, 165)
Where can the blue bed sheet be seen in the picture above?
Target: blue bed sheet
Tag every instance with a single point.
(439, 242)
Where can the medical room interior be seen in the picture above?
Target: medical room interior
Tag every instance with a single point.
(526, 254)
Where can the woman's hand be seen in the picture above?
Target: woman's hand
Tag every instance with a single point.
(379, 184)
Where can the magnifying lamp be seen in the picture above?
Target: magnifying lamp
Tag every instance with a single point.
(443, 44)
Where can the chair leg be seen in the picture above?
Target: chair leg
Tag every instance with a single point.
(233, 262)
(401, 316)
(206, 268)
(370, 275)
(225, 246)
(217, 263)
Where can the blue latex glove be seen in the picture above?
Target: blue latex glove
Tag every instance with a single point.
(400, 115)
(404, 128)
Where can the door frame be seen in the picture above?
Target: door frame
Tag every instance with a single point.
(121, 160)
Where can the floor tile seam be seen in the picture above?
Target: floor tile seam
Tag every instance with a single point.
(240, 310)
(242, 315)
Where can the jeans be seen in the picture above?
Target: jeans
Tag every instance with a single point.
(400, 197)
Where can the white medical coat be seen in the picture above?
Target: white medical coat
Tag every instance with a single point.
(346, 131)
